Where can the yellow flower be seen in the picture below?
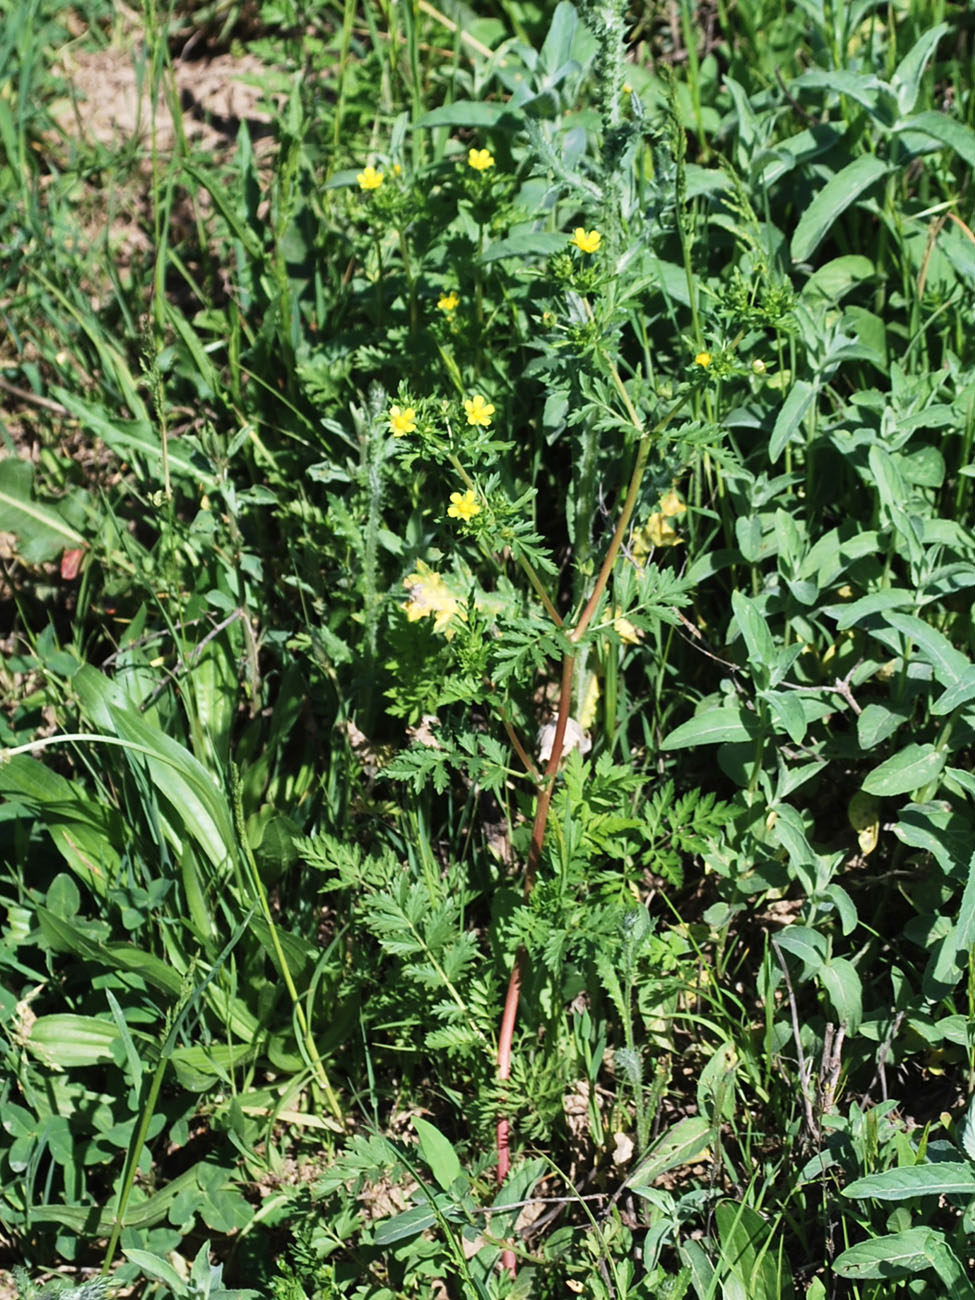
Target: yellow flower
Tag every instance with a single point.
(480, 159)
(703, 359)
(369, 178)
(448, 302)
(463, 505)
(479, 412)
(402, 420)
(671, 504)
(429, 594)
(587, 241)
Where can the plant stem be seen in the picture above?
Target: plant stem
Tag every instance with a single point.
(510, 1013)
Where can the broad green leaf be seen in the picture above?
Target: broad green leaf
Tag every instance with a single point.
(906, 81)
(438, 1153)
(67, 1041)
(186, 785)
(694, 1257)
(754, 630)
(949, 664)
(835, 279)
(833, 199)
(876, 723)
(956, 695)
(808, 945)
(858, 86)
(714, 726)
(946, 130)
(41, 531)
(873, 603)
(64, 936)
(891, 484)
(681, 1144)
(403, 1226)
(748, 1255)
(946, 1178)
(529, 243)
(966, 1135)
(468, 113)
(845, 907)
(787, 714)
(157, 1267)
(130, 437)
(900, 1254)
(913, 767)
(842, 984)
(788, 154)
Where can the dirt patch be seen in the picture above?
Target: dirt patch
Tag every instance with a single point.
(111, 105)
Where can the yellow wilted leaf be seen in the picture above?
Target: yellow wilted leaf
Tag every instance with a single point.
(863, 812)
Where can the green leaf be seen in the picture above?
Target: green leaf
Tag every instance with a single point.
(748, 1256)
(66, 1041)
(899, 1254)
(467, 112)
(157, 1267)
(833, 199)
(800, 398)
(185, 783)
(65, 936)
(874, 602)
(438, 1153)
(681, 1144)
(946, 1178)
(946, 130)
(806, 944)
(955, 696)
(906, 81)
(714, 726)
(755, 632)
(787, 714)
(949, 664)
(842, 984)
(527, 243)
(876, 723)
(408, 1224)
(914, 767)
(833, 280)
(41, 531)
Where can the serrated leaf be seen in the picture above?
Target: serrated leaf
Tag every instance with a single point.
(832, 201)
